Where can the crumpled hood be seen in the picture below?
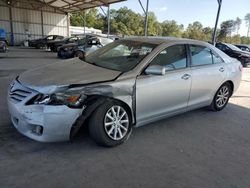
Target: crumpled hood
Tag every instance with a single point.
(62, 73)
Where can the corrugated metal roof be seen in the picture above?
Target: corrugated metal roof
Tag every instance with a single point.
(76, 5)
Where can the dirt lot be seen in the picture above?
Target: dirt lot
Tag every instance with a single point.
(195, 149)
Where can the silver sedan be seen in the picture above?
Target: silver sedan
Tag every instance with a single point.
(126, 84)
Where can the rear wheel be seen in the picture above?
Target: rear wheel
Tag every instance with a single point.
(221, 97)
(38, 46)
(79, 54)
(53, 49)
(61, 54)
(4, 48)
(110, 125)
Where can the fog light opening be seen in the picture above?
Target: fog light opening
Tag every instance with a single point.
(38, 130)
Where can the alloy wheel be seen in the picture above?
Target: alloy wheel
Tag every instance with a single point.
(222, 96)
(116, 123)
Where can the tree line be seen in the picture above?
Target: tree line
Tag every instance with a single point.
(126, 22)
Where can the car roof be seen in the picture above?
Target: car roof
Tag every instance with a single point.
(161, 40)
(166, 40)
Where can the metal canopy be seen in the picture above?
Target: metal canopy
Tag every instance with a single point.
(76, 5)
(63, 6)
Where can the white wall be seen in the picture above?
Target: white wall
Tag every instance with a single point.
(4, 18)
(55, 24)
(80, 30)
(27, 24)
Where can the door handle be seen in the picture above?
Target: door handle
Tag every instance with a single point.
(221, 69)
(186, 76)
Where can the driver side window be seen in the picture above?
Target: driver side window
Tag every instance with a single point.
(172, 58)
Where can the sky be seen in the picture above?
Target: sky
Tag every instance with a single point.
(188, 11)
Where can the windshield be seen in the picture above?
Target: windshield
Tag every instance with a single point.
(121, 55)
(233, 47)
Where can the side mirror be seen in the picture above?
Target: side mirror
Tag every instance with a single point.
(155, 70)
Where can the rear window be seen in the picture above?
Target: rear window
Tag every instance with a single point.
(201, 55)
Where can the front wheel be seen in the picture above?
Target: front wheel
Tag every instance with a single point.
(110, 125)
(221, 97)
(53, 49)
(38, 46)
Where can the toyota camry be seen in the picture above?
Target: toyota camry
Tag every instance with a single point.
(126, 84)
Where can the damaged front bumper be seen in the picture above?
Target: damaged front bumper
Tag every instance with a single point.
(43, 123)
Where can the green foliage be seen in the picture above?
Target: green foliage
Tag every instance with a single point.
(245, 40)
(171, 28)
(227, 28)
(154, 27)
(92, 18)
(238, 24)
(125, 22)
(247, 19)
(196, 31)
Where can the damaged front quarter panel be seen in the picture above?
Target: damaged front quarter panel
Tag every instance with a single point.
(121, 90)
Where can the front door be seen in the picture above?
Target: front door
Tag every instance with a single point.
(160, 95)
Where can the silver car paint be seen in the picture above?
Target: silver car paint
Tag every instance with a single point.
(65, 73)
(143, 94)
(56, 120)
(157, 94)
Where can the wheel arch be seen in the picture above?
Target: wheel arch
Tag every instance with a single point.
(231, 85)
(92, 103)
(103, 99)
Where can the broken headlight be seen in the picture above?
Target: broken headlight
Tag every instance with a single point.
(69, 99)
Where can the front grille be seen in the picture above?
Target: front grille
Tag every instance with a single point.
(18, 92)
(19, 95)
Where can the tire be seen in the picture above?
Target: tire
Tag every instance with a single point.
(60, 54)
(79, 54)
(53, 49)
(38, 46)
(4, 48)
(106, 132)
(221, 97)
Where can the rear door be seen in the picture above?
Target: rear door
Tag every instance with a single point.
(208, 73)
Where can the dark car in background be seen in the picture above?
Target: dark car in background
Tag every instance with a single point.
(3, 46)
(54, 45)
(235, 52)
(243, 47)
(87, 44)
(42, 42)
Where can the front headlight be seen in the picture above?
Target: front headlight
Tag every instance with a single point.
(69, 99)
